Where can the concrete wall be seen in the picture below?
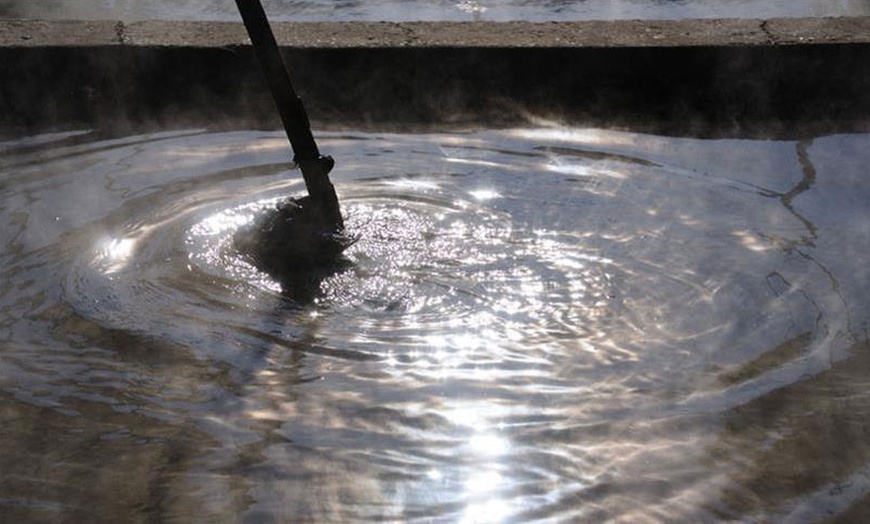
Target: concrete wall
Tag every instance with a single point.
(706, 78)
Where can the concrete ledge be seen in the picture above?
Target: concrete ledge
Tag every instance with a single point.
(360, 35)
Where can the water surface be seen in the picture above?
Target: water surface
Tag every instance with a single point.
(428, 10)
(558, 325)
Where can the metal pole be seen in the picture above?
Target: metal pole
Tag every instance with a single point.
(315, 167)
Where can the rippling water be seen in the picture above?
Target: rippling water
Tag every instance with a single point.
(536, 324)
(454, 10)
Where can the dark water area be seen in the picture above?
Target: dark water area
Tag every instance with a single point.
(556, 325)
(440, 10)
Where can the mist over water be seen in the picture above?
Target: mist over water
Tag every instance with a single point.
(413, 10)
(556, 324)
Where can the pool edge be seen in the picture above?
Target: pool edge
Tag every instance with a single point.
(518, 34)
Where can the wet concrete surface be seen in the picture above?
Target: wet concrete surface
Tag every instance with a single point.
(699, 77)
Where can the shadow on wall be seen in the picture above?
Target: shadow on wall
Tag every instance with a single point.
(760, 91)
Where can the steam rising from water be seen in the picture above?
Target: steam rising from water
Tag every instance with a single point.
(535, 324)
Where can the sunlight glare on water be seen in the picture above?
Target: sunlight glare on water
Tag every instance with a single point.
(114, 254)
(535, 324)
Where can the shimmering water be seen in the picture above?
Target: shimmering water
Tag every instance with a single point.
(559, 325)
(454, 10)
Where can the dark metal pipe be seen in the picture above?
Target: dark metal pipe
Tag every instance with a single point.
(315, 167)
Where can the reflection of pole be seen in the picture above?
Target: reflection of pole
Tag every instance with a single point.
(315, 168)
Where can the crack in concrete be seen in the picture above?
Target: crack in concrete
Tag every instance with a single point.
(765, 28)
(120, 32)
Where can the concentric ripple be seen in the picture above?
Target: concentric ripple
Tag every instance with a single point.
(535, 324)
(430, 268)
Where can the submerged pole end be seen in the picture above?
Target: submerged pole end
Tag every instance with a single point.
(315, 171)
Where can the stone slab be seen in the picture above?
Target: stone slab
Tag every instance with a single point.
(363, 35)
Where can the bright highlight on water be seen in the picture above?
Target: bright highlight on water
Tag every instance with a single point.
(536, 324)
